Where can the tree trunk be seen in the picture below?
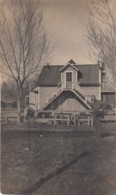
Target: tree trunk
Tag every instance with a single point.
(115, 99)
(19, 105)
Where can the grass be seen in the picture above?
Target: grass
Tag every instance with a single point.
(58, 163)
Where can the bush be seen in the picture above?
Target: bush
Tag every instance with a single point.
(14, 104)
(3, 105)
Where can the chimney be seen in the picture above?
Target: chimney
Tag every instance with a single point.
(101, 65)
(48, 66)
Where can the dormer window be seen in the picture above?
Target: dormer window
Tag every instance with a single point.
(69, 76)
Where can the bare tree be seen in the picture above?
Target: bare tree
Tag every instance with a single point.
(23, 42)
(101, 34)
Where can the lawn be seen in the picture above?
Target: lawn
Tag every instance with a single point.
(58, 162)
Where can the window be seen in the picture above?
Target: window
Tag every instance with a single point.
(69, 76)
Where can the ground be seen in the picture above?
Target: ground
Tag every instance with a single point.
(58, 160)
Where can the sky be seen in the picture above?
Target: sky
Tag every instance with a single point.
(65, 22)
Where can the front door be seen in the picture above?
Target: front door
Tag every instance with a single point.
(68, 80)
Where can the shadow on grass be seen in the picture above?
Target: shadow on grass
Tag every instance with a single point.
(108, 135)
(58, 171)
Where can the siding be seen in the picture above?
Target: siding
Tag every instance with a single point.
(46, 93)
(89, 91)
(71, 104)
(33, 98)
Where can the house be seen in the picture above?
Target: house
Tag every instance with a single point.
(70, 86)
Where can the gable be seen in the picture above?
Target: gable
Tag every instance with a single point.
(67, 66)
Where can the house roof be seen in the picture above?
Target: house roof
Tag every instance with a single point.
(90, 74)
(50, 75)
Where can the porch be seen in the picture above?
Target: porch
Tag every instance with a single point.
(107, 87)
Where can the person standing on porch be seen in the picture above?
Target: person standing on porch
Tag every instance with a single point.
(98, 110)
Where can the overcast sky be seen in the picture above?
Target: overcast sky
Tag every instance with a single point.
(66, 22)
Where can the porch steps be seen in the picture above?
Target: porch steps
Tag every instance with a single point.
(82, 98)
(52, 99)
(77, 93)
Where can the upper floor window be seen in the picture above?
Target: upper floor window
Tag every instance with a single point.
(69, 76)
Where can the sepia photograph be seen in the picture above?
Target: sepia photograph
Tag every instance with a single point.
(58, 97)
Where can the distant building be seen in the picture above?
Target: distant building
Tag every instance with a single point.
(11, 102)
(8, 103)
(70, 86)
